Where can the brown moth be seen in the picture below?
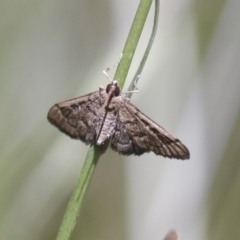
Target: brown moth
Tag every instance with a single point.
(105, 114)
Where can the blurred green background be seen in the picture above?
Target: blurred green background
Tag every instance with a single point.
(52, 51)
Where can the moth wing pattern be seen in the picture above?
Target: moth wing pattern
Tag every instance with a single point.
(76, 117)
(136, 134)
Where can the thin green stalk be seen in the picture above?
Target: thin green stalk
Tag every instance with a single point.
(132, 41)
(94, 153)
(149, 46)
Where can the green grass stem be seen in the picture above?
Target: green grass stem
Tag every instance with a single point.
(94, 153)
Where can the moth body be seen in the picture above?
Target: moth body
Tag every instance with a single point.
(105, 114)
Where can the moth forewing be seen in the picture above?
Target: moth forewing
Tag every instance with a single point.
(75, 117)
(137, 134)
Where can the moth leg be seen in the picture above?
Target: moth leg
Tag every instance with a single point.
(134, 83)
(105, 72)
(133, 91)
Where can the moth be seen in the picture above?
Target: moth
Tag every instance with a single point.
(106, 115)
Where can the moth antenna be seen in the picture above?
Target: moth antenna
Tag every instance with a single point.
(105, 72)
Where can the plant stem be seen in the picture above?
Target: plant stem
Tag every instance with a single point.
(78, 194)
(94, 153)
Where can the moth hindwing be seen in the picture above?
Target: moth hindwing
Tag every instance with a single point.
(105, 114)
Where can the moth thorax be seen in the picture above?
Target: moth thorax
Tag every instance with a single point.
(113, 88)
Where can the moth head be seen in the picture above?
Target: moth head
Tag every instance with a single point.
(113, 88)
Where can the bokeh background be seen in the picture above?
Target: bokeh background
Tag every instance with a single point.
(52, 51)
